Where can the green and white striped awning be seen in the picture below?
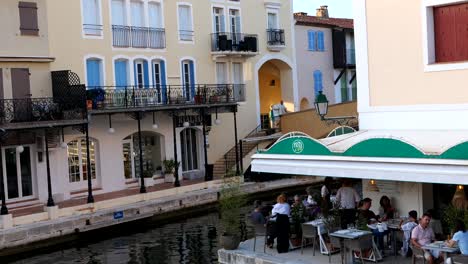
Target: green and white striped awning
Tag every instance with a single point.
(415, 156)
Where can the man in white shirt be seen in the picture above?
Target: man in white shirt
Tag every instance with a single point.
(347, 198)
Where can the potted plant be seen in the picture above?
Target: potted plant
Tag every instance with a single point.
(452, 214)
(96, 96)
(169, 168)
(148, 177)
(230, 202)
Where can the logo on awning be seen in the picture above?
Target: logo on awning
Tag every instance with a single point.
(297, 146)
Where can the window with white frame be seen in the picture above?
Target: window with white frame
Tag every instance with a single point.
(92, 21)
(154, 15)
(218, 20)
(119, 13)
(78, 158)
(137, 13)
(234, 21)
(221, 73)
(189, 148)
(272, 20)
(185, 23)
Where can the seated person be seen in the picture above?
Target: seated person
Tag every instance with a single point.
(386, 211)
(423, 234)
(256, 216)
(298, 215)
(365, 213)
(436, 225)
(460, 237)
(407, 228)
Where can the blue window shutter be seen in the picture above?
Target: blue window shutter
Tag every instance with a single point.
(311, 40)
(320, 38)
(120, 74)
(192, 79)
(135, 73)
(317, 82)
(162, 66)
(93, 73)
(145, 74)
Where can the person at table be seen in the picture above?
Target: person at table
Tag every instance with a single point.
(280, 212)
(460, 237)
(423, 235)
(347, 198)
(298, 215)
(436, 225)
(364, 212)
(256, 216)
(386, 210)
(325, 192)
(407, 228)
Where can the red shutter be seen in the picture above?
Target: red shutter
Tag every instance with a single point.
(451, 33)
(28, 18)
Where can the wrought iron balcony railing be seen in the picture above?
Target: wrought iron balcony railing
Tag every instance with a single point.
(42, 109)
(92, 29)
(275, 37)
(149, 96)
(237, 42)
(138, 37)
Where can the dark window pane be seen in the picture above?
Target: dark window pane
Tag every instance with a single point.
(26, 177)
(11, 173)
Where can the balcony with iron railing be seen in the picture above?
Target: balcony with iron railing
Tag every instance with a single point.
(131, 97)
(138, 37)
(275, 39)
(41, 112)
(234, 43)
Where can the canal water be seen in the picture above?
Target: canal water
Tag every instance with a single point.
(192, 240)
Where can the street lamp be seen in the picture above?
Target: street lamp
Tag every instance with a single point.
(321, 107)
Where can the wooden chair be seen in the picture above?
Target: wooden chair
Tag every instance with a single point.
(309, 231)
(418, 254)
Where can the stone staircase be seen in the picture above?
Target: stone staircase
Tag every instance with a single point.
(229, 159)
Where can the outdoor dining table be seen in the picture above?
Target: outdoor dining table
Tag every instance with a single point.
(442, 247)
(349, 234)
(393, 225)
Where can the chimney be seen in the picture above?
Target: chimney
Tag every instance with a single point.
(322, 12)
(300, 14)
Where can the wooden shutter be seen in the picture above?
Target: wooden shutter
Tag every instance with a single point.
(28, 18)
(451, 33)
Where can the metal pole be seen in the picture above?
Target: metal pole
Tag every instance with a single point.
(241, 150)
(236, 140)
(140, 144)
(4, 209)
(88, 168)
(176, 169)
(50, 199)
(207, 177)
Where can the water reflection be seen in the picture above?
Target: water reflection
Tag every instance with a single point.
(193, 241)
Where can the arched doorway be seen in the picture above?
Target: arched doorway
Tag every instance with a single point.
(152, 150)
(275, 84)
(304, 104)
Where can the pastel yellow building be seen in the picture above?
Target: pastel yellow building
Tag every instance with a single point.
(163, 80)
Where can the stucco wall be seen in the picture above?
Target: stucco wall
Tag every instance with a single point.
(309, 122)
(396, 67)
(13, 43)
(310, 61)
(39, 78)
(252, 13)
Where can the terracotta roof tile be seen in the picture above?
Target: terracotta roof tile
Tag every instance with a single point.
(302, 19)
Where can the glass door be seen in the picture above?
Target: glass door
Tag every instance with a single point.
(17, 173)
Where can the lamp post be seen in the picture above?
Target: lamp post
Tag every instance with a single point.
(321, 107)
